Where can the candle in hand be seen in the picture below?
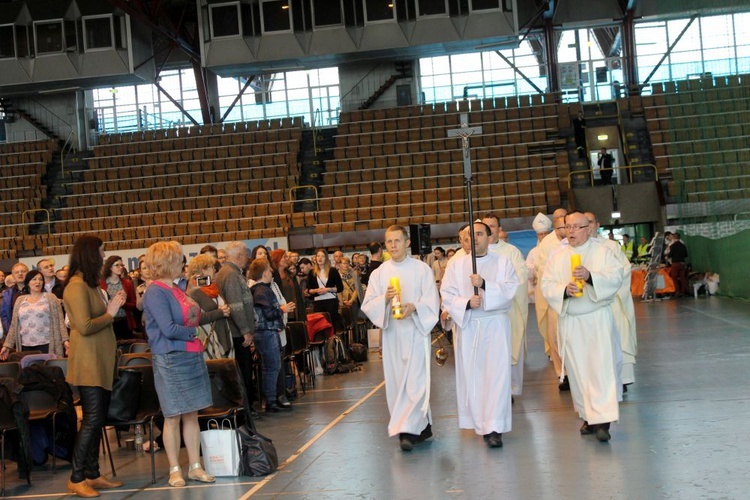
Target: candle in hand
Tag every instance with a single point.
(575, 261)
(396, 309)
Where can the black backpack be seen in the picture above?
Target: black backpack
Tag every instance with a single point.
(358, 353)
(337, 360)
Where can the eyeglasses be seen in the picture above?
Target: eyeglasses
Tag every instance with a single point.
(573, 228)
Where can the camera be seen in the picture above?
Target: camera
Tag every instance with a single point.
(203, 281)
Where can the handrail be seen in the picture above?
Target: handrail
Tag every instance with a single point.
(32, 210)
(293, 189)
(314, 127)
(740, 213)
(629, 168)
(63, 154)
(43, 114)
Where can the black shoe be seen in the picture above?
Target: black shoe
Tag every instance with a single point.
(564, 385)
(425, 434)
(602, 433)
(405, 443)
(587, 429)
(273, 408)
(284, 402)
(494, 440)
(624, 388)
(512, 400)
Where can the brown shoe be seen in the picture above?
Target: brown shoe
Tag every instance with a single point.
(82, 490)
(102, 483)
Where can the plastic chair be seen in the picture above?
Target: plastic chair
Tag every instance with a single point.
(139, 347)
(228, 392)
(8, 423)
(148, 411)
(62, 363)
(298, 344)
(42, 406)
(134, 358)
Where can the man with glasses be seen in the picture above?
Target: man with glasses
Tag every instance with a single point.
(546, 318)
(622, 307)
(589, 341)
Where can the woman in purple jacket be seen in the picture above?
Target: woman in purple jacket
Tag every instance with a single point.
(180, 373)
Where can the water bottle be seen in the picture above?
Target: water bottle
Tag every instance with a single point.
(139, 439)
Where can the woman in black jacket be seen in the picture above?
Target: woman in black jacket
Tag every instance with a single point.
(323, 285)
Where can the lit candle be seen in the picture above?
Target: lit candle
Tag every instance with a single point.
(396, 309)
(575, 261)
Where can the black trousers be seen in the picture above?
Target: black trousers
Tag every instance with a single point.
(244, 360)
(94, 405)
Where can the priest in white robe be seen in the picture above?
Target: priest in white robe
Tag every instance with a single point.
(588, 335)
(546, 316)
(483, 337)
(622, 307)
(519, 313)
(407, 349)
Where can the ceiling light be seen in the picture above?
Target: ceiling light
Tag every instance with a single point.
(602, 137)
(616, 215)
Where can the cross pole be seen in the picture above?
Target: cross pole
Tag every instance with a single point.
(465, 132)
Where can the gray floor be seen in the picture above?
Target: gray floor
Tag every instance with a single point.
(683, 431)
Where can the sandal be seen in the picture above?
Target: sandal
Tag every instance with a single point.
(147, 446)
(196, 473)
(175, 477)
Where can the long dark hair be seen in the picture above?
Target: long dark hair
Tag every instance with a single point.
(86, 259)
(107, 268)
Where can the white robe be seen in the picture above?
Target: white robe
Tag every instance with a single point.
(546, 317)
(589, 340)
(519, 313)
(407, 351)
(624, 312)
(482, 342)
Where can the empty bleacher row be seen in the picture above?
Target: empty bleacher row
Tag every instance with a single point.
(199, 142)
(22, 165)
(215, 129)
(195, 188)
(400, 162)
(699, 131)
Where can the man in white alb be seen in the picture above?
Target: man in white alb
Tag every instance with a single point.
(483, 337)
(519, 313)
(588, 337)
(407, 349)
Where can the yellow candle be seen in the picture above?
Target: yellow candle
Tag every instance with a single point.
(395, 283)
(396, 309)
(575, 261)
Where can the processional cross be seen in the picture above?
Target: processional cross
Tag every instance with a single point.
(465, 132)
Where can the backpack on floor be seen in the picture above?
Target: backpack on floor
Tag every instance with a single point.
(336, 357)
(358, 352)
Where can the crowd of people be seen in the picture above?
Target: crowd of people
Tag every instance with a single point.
(235, 303)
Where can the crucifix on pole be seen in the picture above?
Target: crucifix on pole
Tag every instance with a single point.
(465, 132)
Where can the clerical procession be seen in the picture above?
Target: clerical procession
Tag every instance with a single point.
(585, 319)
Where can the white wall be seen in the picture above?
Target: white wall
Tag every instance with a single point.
(62, 105)
(355, 78)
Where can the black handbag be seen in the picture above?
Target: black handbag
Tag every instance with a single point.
(123, 404)
(259, 457)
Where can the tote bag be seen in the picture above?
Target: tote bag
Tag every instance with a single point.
(221, 453)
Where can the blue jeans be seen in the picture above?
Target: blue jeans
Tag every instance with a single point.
(269, 346)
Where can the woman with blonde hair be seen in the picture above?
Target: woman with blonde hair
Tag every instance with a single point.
(323, 285)
(180, 373)
(216, 338)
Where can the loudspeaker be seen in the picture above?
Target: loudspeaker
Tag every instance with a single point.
(420, 239)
